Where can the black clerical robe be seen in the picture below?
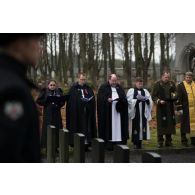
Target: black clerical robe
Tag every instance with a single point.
(81, 112)
(104, 109)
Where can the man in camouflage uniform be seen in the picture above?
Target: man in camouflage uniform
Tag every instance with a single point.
(164, 95)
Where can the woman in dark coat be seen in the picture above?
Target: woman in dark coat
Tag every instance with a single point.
(51, 98)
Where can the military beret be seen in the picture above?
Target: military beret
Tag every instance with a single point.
(7, 38)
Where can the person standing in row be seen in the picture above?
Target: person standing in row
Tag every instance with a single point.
(81, 110)
(112, 112)
(51, 98)
(186, 106)
(164, 95)
(19, 124)
(140, 107)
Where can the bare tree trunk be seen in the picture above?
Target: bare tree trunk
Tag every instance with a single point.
(70, 56)
(127, 63)
(60, 56)
(147, 57)
(138, 54)
(64, 58)
(92, 66)
(45, 58)
(113, 52)
(104, 51)
(82, 54)
(97, 58)
(145, 64)
(79, 62)
(51, 54)
(55, 50)
(163, 66)
(167, 51)
(75, 55)
(143, 61)
(109, 51)
(153, 64)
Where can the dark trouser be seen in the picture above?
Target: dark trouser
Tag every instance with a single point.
(184, 139)
(167, 141)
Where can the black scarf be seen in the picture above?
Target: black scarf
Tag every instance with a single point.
(136, 120)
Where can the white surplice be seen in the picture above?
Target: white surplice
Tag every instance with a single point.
(132, 111)
(116, 118)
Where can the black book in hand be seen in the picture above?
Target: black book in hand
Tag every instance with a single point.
(87, 99)
(55, 99)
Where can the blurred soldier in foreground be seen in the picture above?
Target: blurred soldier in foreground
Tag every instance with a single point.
(19, 126)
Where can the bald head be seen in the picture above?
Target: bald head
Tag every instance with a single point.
(113, 80)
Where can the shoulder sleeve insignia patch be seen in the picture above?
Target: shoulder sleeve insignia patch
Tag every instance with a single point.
(13, 110)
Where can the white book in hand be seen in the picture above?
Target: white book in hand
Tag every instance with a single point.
(87, 99)
(115, 100)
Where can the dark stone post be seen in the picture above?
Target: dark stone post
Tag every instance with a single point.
(79, 148)
(64, 145)
(51, 145)
(98, 152)
(121, 154)
(151, 157)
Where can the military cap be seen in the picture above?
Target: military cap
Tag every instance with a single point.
(7, 38)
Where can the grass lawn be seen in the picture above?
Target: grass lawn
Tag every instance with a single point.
(152, 143)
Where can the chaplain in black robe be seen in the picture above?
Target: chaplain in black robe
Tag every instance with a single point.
(51, 99)
(105, 109)
(81, 111)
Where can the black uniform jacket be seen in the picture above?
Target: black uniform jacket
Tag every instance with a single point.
(19, 125)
